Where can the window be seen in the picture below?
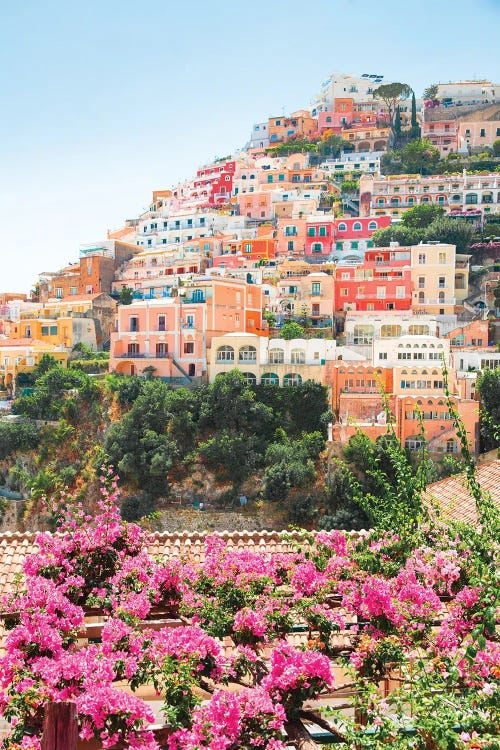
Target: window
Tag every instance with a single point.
(161, 350)
(482, 133)
(421, 282)
(72, 290)
(276, 356)
(270, 378)
(442, 258)
(59, 292)
(451, 446)
(133, 350)
(442, 282)
(421, 259)
(317, 247)
(298, 357)
(134, 324)
(382, 355)
(45, 330)
(225, 354)
(390, 331)
(311, 231)
(381, 292)
(250, 378)
(289, 245)
(342, 227)
(418, 330)
(343, 292)
(316, 288)
(161, 322)
(247, 354)
(357, 226)
(190, 321)
(400, 292)
(372, 225)
(189, 347)
(292, 379)
(322, 231)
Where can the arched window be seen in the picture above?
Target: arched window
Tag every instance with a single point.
(250, 378)
(357, 226)
(441, 297)
(421, 297)
(363, 333)
(247, 354)
(225, 354)
(451, 446)
(298, 357)
(342, 227)
(317, 247)
(389, 331)
(372, 225)
(292, 379)
(270, 378)
(276, 356)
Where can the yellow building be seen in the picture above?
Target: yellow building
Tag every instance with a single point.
(433, 277)
(56, 331)
(22, 355)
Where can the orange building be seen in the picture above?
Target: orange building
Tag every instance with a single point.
(299, 125)
(261, 248)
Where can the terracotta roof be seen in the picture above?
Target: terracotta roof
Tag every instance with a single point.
(453, 495)
(16, 546)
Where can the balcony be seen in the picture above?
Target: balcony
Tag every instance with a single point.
(430, 301)
(130, 356)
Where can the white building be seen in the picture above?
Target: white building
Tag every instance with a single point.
(260, 136)
(416, 349)
(345, 85)
(469, 91)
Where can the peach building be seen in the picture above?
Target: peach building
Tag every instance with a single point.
(476, 136)
(171, 335)
(299, 124)
(433, 278)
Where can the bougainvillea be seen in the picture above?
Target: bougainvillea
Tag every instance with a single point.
(250, 649)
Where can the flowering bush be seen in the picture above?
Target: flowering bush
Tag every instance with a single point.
(257, 638)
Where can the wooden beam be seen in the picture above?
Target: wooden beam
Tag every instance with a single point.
(60, 727)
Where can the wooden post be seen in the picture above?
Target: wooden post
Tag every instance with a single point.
(60, 728)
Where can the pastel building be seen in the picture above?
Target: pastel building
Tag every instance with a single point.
(476, 136)
(259, 138)
(382, 282)
(171, 335)
(274, 361)
(22, 355)
(306, 295)
(417, 349)
(299, 125)
(433, 277)
(340, 240)
(463, 195)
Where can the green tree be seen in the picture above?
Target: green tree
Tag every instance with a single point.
(419, 157)
(396, 233)
(431, 92)
(291, 330)
(332, 146)
(453, 231)
(496, 147)
(488, 387)
(421, 216)
(126, 295)
(341, 511)
(392, 94)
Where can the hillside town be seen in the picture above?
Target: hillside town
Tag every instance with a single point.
(249, 439)
(295, 227)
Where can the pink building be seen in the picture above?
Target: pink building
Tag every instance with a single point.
(383, 282)
(255, 205)
(171, 335)
(442, 134)
(329, 236)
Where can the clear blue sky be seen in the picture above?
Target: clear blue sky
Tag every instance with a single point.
(103, 101)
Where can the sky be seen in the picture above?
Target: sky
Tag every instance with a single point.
(104, 101)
